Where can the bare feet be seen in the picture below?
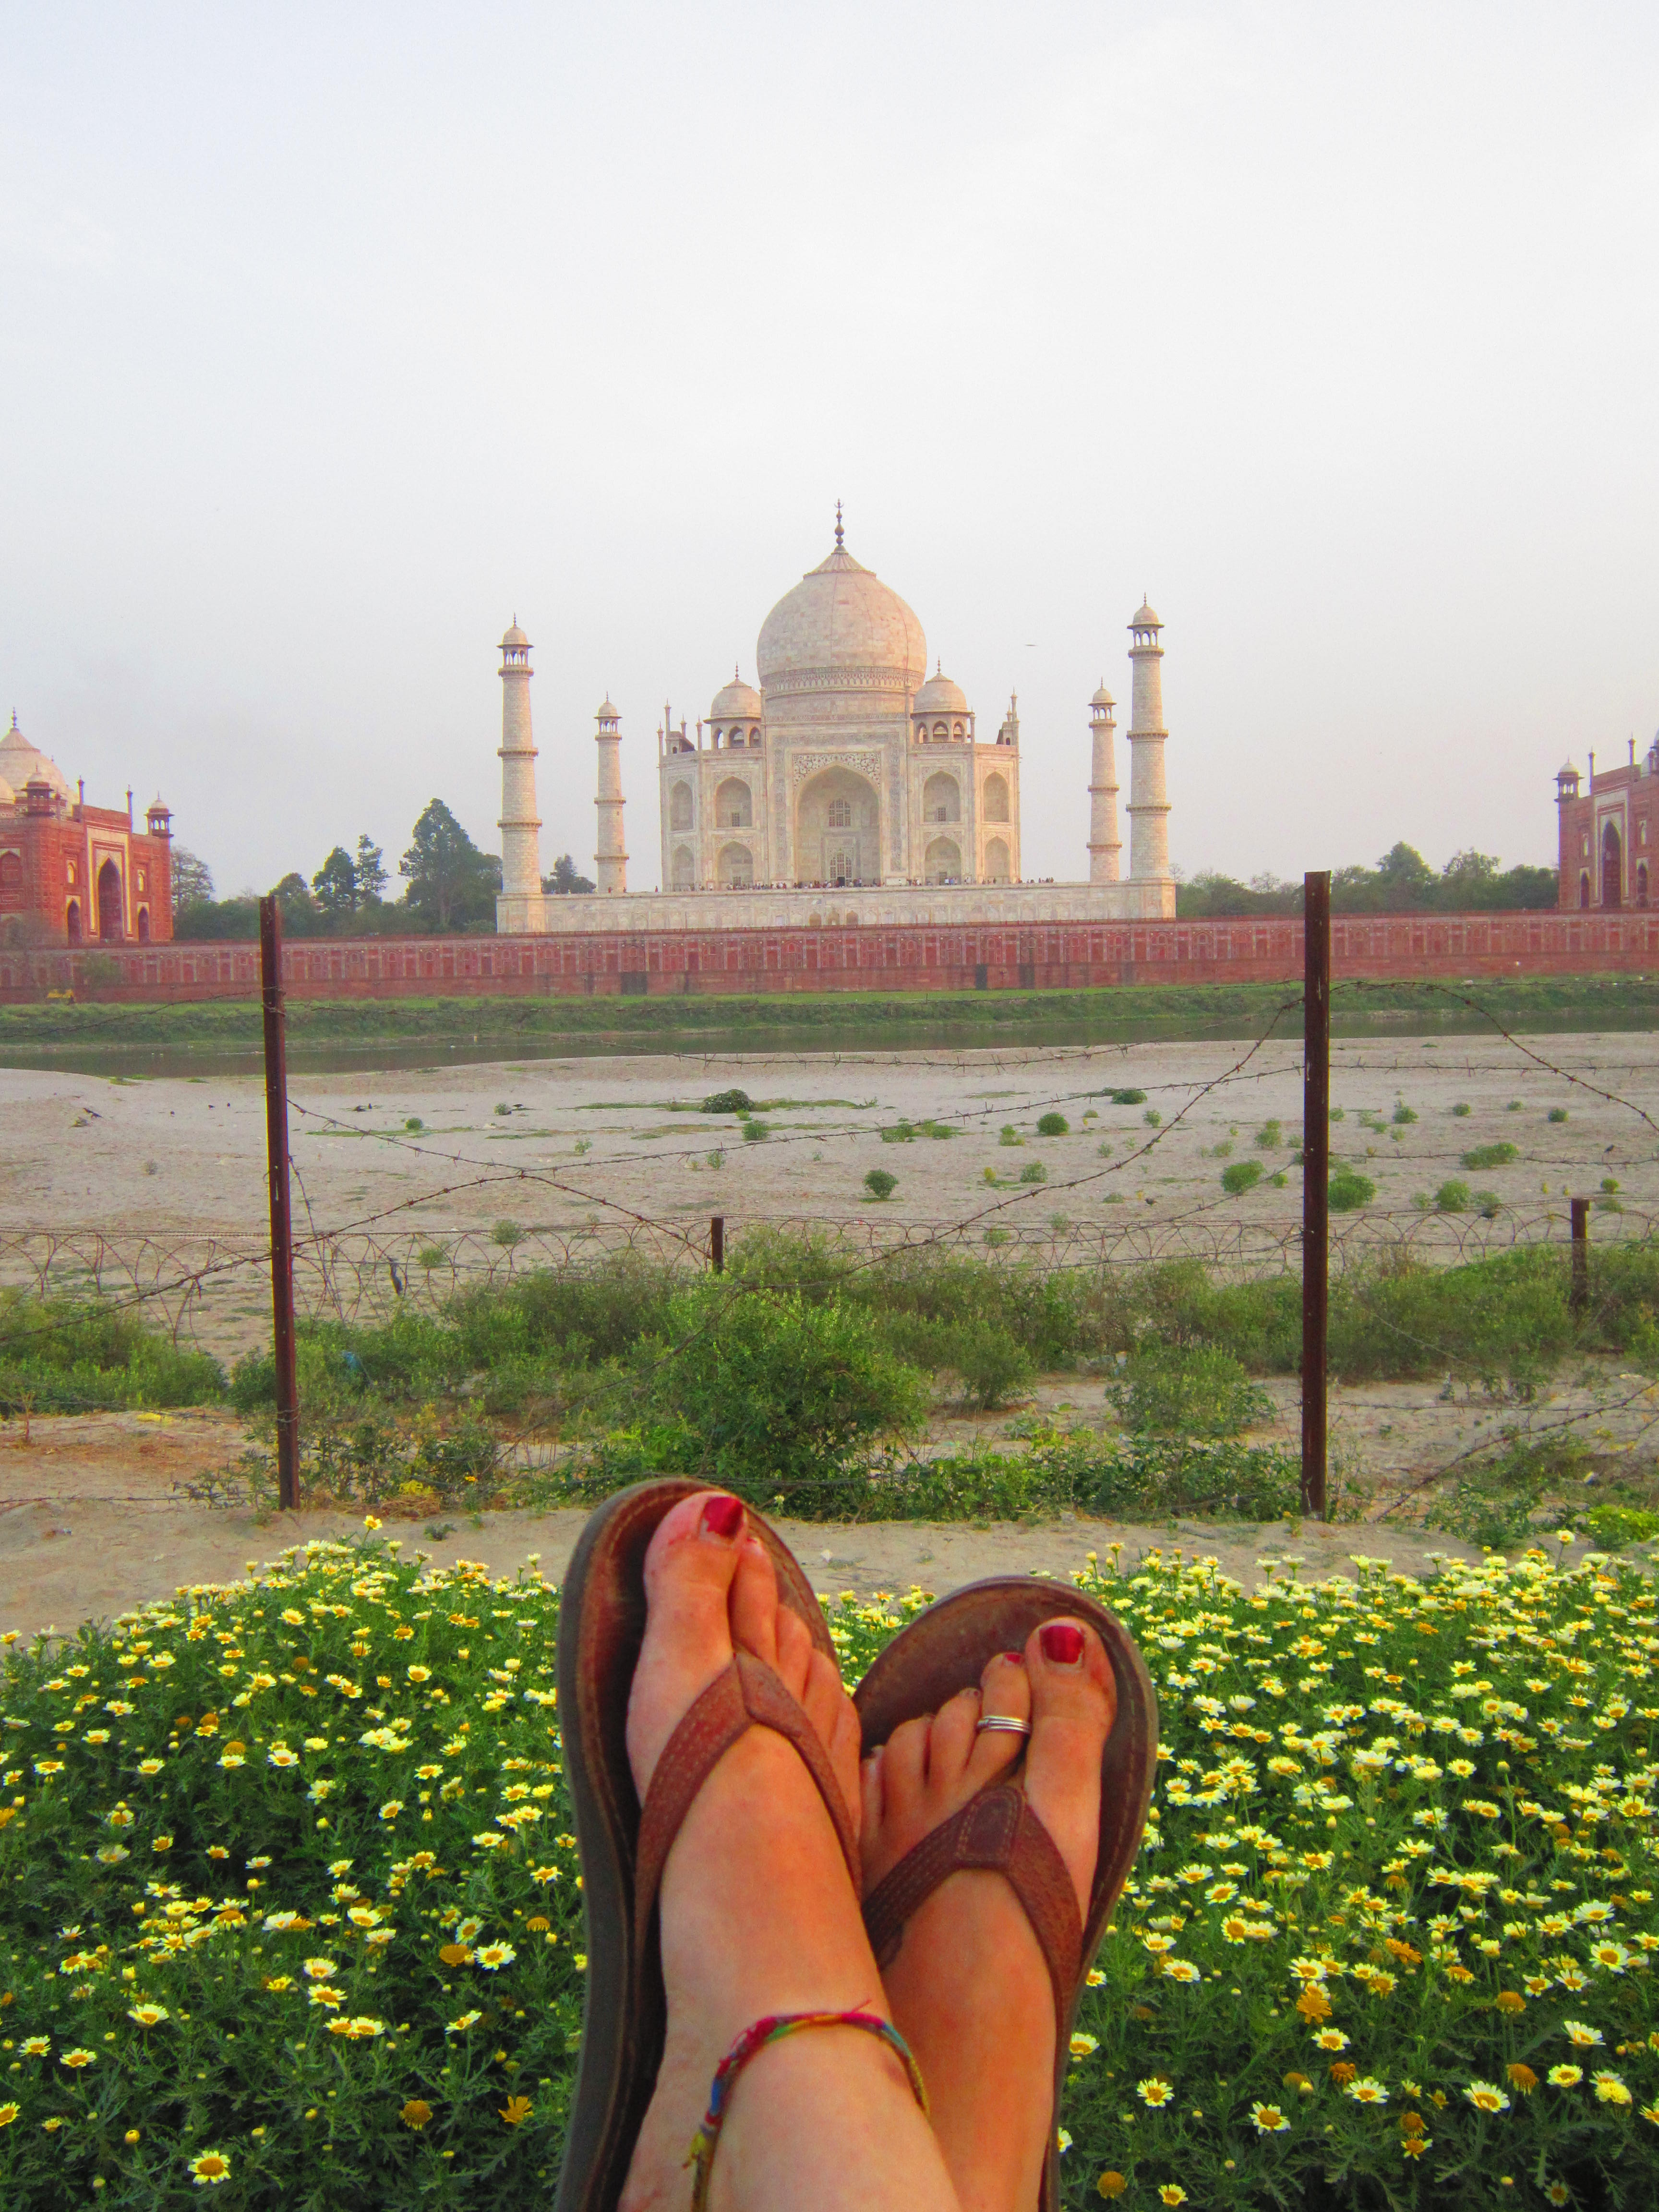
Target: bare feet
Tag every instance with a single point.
(969, 1989)
(757, 1912)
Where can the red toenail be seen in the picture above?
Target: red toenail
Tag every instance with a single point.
(723, 1518)
(1062, 1643)
(1014, 1658)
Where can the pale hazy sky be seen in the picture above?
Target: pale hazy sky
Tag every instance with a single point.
(331, 336)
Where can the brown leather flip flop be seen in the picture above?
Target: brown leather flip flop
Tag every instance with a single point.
(623, 1847)
(945, 1649)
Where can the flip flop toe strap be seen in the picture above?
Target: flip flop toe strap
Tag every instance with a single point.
(744, 1695)
(997, 1831)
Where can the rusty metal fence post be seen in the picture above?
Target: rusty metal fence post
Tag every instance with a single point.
(1316, 1181)
(282, 1224)
(1580, 1294)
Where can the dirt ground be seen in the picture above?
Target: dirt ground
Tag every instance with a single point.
(90, 1518)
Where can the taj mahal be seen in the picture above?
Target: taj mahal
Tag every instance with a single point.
(847, 785)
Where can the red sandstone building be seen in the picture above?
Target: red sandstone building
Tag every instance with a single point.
(1610, 832)
(74, 874)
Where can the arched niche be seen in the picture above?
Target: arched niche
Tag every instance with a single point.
(111, 920)
(837, 829)
(684, 869)
(734, 804)
(735, 867)
(994, 798)
(996, 861)
(679, 807)
(944, 862)
(941, 799)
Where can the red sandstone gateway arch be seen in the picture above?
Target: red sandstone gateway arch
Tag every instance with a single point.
(1612, 866)
(111, 921)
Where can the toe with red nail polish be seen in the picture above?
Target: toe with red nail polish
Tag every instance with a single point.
(722, 1516)
(1062, 1643)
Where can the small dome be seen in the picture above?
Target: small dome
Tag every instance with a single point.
(1146, 619)
(939, 696)
(606, 711)
(22, 762)
(1103, 697)
(1565, 768)
(736, 701)
(515, 637)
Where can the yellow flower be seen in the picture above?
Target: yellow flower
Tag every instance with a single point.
(1414, 2146)
(455, 1955)
(492, 1956)
(1510, 2000)
(1172, 2193)
(8, 2113)
(360, 2028)
(1314, 2004)
(1566, 2077)
(321, 1969)
(1367, 2091)
(1330, 2038)
(1153, 2091)
(1581, 2032)
(466, 2020)
(36, 2046)
(147, 2014)
(1609, 2089)
(1486, 2097)
(211, 2166)
(416, 2113)
(1520, 2077)
(1082, 2046)
(79, 2059)
(1267, 2120)
(1111, 2183)
(516, 2109)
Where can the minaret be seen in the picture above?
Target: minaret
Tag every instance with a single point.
(520, 825)
(1149, 810)
(610, 860)
(1104, 843)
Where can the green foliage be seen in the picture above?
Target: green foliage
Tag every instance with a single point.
(1034, 1172)
(1556, 1114)
(1270, 1136)
(880, 1184)
(993, 1364)
(506, 1234)
(1240, 1176)
(1009, 1135)
(1054, 1125)
(1348, 1190)
(1463, 1110)
(70, 1355)
(728, 1102)
(1404, 1116)
(1169, 1390)
(1128, 1096)
(1152, 1118)
(1613, 1527)
(334, 886)
(1453, 1197)
(756, 1132)
(1484, 1157)
(566, 879)
(451, 883)
(1491, 1499)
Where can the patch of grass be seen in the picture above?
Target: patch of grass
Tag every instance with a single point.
(756, 1132)
(1034, 1172)
(65, 1355)
(1482, 1158)
(1404, 1116)
(1348, 1191)
(1463, 1110)
(1453, 1197)
(1556, 1114)
(1242, 1175)
(1270, 1136)
(204, 2078)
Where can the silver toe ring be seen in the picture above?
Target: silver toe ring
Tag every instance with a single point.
(1002, 1724)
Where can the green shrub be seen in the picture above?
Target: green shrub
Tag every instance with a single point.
(1516, 1106)
(728, 1102)
(1348, 1191)
(1610, 1183)
(1270, 1136)
(72, 1355)
(756, 1131)
(899, 1133)
(1404, 1116)
(1484, 1157)
(1009, 1135)
(1339, 1114)
(1242, 1175)
(1054, 1125)
(1034, 1172)
(1452, 1197)
(1152, 1118)
(1126, 1097)
(1461, 1110)
(414, 1122)
(1556, 1114)
(1613, 1527)
(506, 1234)
(501, 1109)
(1169, 1391)
(1278, 1179)
(1102, 1151)
(994, 1366)
(880, 1184)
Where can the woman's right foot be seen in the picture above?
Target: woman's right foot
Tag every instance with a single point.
(757, 1912)
(969, 1986)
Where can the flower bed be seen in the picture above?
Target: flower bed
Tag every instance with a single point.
(288, 1900)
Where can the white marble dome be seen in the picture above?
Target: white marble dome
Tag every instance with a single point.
(736, 701)
(19, 762)
(940, 695)
(842, 630)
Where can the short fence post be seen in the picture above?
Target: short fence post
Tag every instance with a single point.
(1316, 1177)
(281, 1224)
(717, 1243)
(1580, 1296)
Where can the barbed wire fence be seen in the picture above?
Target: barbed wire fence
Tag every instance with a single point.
(212, 1290)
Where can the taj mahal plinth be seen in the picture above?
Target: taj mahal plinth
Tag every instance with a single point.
(848, 787)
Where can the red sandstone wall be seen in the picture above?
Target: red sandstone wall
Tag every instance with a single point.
(1050, 956)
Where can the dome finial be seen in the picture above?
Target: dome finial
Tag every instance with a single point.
(838, 527)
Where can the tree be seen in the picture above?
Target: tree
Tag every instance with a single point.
(565, 878)
(370, 865)
(335, 885)
(451, 884)
(1405, 876)
(193, 880)
(299, 908)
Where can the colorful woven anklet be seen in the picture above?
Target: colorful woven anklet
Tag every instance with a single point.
(754, 2039)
